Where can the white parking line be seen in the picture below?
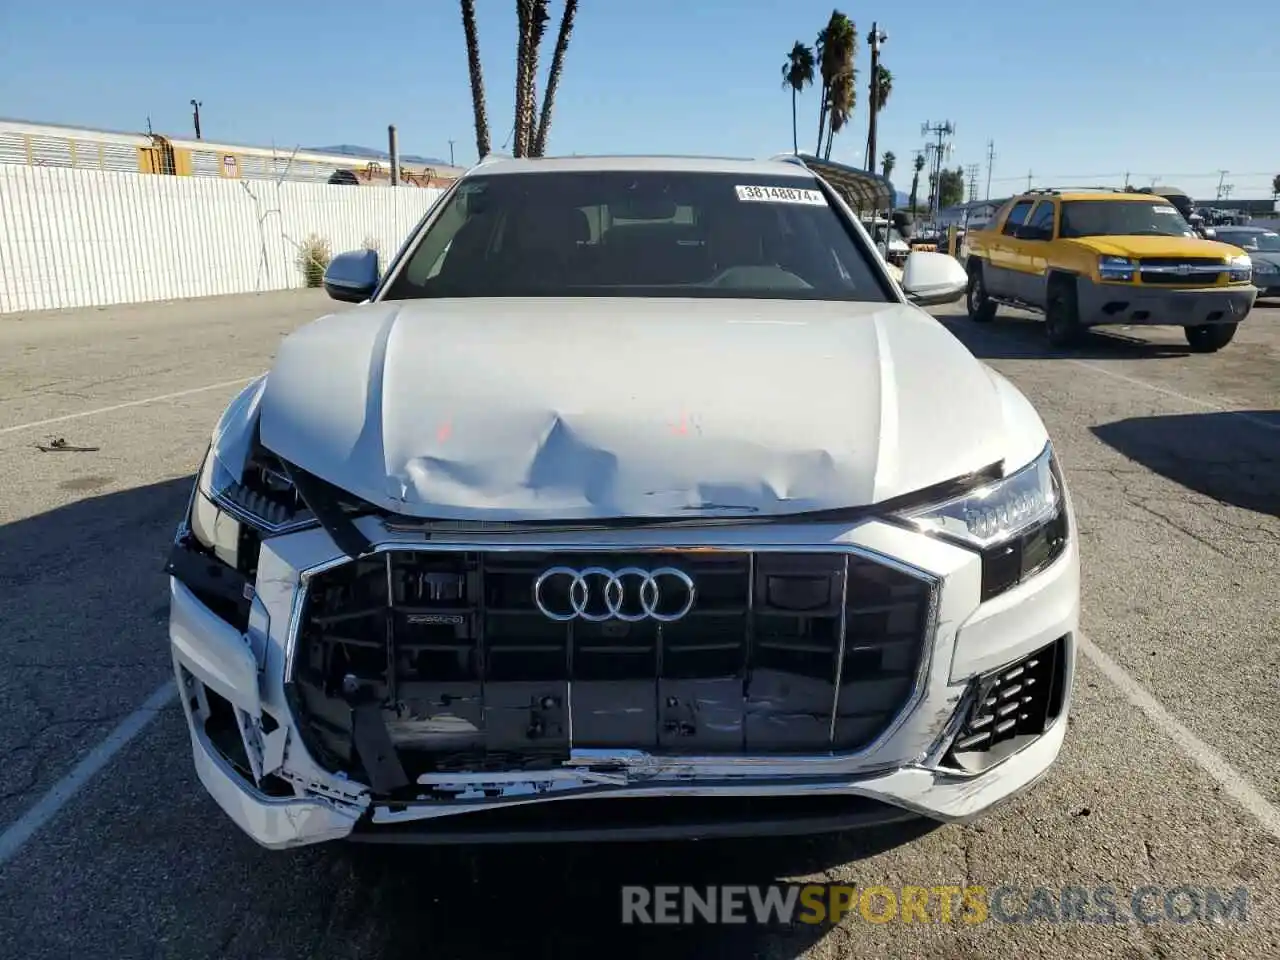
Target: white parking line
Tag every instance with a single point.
(123, 406)
(1233, 782)
(1236, 784)
(25, 827)
(1196, 401)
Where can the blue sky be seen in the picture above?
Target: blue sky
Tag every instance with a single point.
(1078, 91)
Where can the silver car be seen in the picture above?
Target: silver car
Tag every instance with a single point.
(1263, 247)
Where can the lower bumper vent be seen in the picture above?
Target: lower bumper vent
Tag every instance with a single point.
(1012, 707)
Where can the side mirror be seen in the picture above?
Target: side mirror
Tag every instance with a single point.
(933, 278)
(352, 277)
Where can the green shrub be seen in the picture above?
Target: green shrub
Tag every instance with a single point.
(313, 258)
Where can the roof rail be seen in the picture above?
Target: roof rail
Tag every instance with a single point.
(1068, 188)
(789, 158)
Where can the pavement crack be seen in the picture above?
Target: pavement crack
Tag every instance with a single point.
(1178, 526)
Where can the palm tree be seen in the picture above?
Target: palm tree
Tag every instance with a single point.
(531, 17)
(837, 44)
(915, 179)
(1275, 186)
(797, 73)
(840, 108)
(884, 86)
(553, 80)
(888, 162)
(477, 78)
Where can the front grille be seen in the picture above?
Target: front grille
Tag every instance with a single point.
(1011, 707)
(779, 653)
(1205, 271)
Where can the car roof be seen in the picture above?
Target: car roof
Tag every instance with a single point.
(1092, 195)
(659, 164)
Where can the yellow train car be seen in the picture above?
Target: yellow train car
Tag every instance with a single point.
(46, 144)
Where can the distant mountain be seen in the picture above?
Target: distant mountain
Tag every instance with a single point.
(365, 153)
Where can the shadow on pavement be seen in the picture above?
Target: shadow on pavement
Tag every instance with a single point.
(83, 608)
(92, 530)
(1220, 455)
(1017, 338)
(569, 898)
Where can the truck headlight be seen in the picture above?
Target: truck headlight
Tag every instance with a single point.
(1240, 269)
(1018, 523)
(1116, 269)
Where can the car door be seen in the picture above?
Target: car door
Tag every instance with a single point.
(1002, 280)
(1032, 255)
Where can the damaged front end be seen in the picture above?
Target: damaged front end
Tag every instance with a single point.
(351, 672)
(453, 677)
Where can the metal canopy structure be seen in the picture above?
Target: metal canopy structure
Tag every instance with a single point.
(861, 189)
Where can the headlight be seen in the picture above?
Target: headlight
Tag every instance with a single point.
(1018, 524)
(1265, 266)
(1115, 268)
(227, 510)
(1240, 269)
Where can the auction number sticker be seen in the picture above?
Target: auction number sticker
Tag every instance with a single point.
(761, 194)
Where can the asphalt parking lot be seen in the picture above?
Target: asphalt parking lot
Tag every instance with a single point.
(1170, 775)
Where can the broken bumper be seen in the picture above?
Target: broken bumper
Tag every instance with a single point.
(252, 760)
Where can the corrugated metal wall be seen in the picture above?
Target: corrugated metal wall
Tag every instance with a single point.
(75, 238)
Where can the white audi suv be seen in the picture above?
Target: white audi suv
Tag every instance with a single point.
(635, 498)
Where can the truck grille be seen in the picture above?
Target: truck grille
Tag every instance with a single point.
(1204, 271)
(778, 653)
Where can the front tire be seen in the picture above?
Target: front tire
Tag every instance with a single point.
(1062, 315)
(981, 309)
(1209, 337)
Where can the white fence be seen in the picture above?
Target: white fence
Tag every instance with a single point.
(77, 238)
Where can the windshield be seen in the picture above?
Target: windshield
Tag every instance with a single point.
(1122, 218)
(647, 234)
(878, 234)
(1249, 240)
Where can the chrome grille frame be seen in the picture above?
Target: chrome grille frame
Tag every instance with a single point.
(633, 758)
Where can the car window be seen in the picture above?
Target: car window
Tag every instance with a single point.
(647, 234)
(1041, 221)
(1016, 216)
(1263, 242)
(1122, 218)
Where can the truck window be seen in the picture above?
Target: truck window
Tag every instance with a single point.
(1016, 217)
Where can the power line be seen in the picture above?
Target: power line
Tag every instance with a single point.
(1133, 175)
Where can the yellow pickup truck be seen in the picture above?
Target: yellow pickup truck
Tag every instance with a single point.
(1086, 258)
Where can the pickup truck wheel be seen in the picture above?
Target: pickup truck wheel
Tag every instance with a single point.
(981, 309)
(1210, 337)
(1062, 315)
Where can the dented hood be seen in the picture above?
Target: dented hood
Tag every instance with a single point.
(573, 409)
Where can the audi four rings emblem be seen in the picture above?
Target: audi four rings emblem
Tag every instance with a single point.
(631, 594)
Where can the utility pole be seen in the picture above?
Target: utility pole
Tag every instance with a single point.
(195, 106)
(991, 159)
(393, 154)
(942, 131)
(1029, 175)
(1224, 189)
(451, 153)
(877, 37)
